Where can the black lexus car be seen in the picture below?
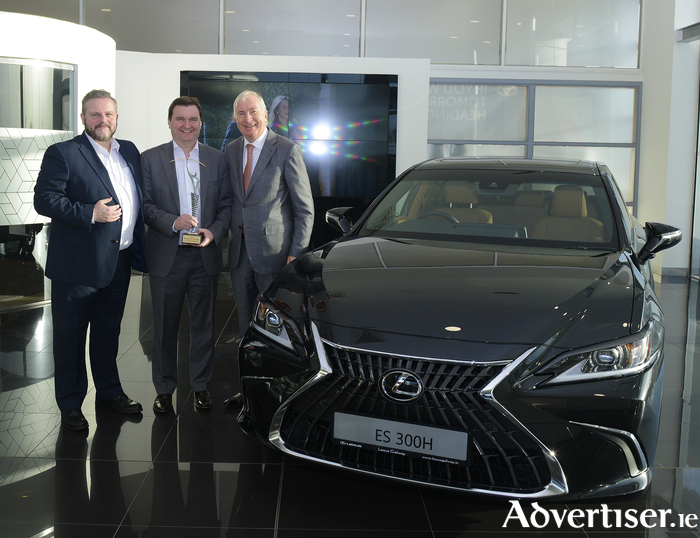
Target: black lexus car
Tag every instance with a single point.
(486, 325)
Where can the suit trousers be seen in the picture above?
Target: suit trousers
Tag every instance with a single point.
(73, 309)
(247, 284)
(187, 278)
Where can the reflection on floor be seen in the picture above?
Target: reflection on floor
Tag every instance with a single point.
(193, 474)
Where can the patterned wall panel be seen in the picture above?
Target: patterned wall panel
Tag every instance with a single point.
(21, 151)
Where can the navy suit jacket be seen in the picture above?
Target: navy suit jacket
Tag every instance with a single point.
(71, 180)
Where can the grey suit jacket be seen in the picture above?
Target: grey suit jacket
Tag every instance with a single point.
(161, 206)
(277, 212)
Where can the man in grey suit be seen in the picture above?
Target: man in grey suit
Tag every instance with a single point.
(273, 210)
(187, 207)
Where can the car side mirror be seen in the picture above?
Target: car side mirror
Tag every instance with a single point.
(659, 237)
(340, 218)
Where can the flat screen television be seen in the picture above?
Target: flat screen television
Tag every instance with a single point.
(345, 125)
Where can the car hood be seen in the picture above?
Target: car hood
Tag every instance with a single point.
(468, 292)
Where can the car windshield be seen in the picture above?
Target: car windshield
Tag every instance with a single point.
(550, 209)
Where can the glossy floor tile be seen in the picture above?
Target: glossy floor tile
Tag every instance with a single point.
(195, 474)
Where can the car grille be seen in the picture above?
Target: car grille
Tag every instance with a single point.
(502, 457)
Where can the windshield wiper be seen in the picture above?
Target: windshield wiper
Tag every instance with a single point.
(583, 247)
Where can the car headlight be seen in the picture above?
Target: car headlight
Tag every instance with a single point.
(276, 324)
(624, 357)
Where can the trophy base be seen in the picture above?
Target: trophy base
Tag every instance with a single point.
(192, 239)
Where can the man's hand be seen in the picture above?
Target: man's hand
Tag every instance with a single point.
(185, 222)
(106, 213)
(208, 237)
(290, 259)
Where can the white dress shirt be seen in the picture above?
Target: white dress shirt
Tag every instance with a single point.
(124, 186)
(184, 167)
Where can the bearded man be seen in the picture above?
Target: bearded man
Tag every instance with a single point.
(90, 187)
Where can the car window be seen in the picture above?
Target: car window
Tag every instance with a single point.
(540, 208)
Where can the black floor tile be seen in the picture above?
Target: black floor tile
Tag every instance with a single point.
(320, 498)
(208, 496)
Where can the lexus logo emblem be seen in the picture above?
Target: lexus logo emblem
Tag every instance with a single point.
(401, 386)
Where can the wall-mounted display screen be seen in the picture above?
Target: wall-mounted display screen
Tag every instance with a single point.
(345, 125)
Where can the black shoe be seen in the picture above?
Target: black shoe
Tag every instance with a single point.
(122, 404)
(74, 420)
(202, 399)
(234, 401)
(163, 403)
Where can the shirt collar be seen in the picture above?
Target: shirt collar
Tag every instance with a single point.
(258, 142)
(180, 154)
(114, 146)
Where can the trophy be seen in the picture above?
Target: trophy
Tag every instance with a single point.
(193, 237)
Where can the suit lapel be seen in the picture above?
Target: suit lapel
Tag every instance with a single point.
(132, 161)
(236, 150)
(265, 155)
(206, 164)
(167, 159)
(96, 164)
(125, 152)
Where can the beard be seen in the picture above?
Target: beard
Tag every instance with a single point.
(104, 137)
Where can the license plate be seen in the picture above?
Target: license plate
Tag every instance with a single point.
(400, 438)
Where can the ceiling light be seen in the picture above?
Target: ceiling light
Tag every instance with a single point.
(454, 37)
(229, 12)
(474, 22)
(350, 16)
(245, 30)
(105, 9)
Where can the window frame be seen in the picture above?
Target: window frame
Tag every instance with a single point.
(530, 144)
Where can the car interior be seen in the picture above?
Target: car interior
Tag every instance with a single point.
(542, 210)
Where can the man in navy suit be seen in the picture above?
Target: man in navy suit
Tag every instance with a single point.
(174, 174)
(273, 209)
(90, 187)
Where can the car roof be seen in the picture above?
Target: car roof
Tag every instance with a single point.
(511, 164)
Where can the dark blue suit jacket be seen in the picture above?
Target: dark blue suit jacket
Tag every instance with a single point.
(71, 180)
